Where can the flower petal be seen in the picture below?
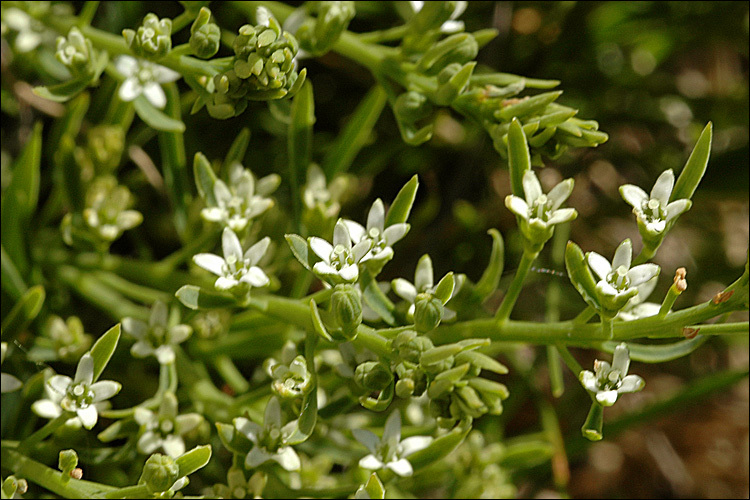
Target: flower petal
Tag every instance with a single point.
(155, 94)
(179, 334)
(164, 75)
(404, 289)
(288, 458)
(221, 192)
(599, 265)
(257, 251)
(606, 398)
(149, 442)
(321, 248)
(213, 214)
(395, 232)
(641, 274)
(85, 370)
(392, 429)
(621, 359)
(623, 255)
(159, 314)
(402, 467)
(517, 205)
(256, 457)
(173, 445)
(560, 193)
(130, 89)
(341, 235)
(370, 462)
(349, 273)
(356, 230)
(46, 408)
(360, 249)
(88, 416)
(165, 354)
(104, 389)
(423, 277)
(126, 65)
(376, 216)
(367, 438)
(210, 262)
(134, 327)
(531, 187)
(663, 187)
(562, 215)
(633, 196)
(249, 429)
(631, 383)
(231, 247)
(255, 277)
(677, 207)
(588, 379)
(141, 349)
(413, 444)
(225, 283)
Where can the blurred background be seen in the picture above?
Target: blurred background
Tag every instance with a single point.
(652, 74)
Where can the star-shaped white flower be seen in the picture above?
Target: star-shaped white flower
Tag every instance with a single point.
(450, 26)
(339, 262)
(143, 77)
(618, 279)
(381, 238)
(235, 268)
(80, 394)
(165, 428)
(242, 201)
(654, 212)
(269, 440)
(156, 337)
(608, 382)
(424, 283)
(539, 212)
(390, 451)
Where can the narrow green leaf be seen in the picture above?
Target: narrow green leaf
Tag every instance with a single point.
(299, 141)
(70, 124)
(156, 118)
(300, 249)
(503, 79)
(376, 299)
(519, 160)
(374, 488)
(487, 284)
(482, 361)
(658, 353)
(104, 348)
(439, 448)
(528, 106)
(11, 281)
(401, 206)
(355, 134)
(62, 92)
(317, 321)
(23, 312)
(309, 414)
(69, 173)
(238, 148)
(382, 401)
(695, 167)
(20, 199)
(194, 297)
(438, 354)
(204, 178)
(174, 161)
(526, 453)
(580, 275)
(193, 460)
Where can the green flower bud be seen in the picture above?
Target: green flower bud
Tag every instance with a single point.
(159, 473)
(204, 35)
(153, 39)
(412, 107)
(318, 35)
(405, 388)
(292, 381)
(346, 307)
(67, 462)
(106, 144)
(459, 48)
(373, 376)
(410, 347)
(432, 15)
(13, 485)
(75, 52)
(428, 311)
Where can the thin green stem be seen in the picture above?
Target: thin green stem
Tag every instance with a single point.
(608, 328)
(231, 375)
(585, 316)
(669, 300)
(137, 491)
(179, 22)
(739, 328)
(506, 306)
(87, 13)
(45, 431)
(387, 35)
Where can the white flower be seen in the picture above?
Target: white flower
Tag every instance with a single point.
(31, 32)
(79, 395)
(8, 383)
(636, 307)
(539, 211)
(450, 26)
(618, 279)
(235, 268)
(269, 440)
(242, 201)
(424, 283)
(155, 337)
(340, 260)
(390, 451)
(380, 238)
(144, 77)
(164, 429)
(654, 212)
(608, 382)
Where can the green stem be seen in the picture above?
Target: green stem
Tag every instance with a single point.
(669, 300)
(608, 328)
(49, 478)
(45, 431)
(179, 22)
(503, 312)
(99, 294)
(387, 35)
(585, 316)
(87, 13)
(137, 491)
(722, 329)
(231, 375)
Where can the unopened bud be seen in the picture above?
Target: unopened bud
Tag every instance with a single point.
(373, 376)
(159, 473)
(204, 35)
(346, 307)
(428, 311)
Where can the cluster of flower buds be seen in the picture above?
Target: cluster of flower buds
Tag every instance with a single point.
(317, 35)
(153, 39)
(205, 36)
(264, 68)
(76, 52)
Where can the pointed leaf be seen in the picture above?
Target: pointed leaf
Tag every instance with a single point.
(104, 348)
(24, 312)
(320, 328)
(444, 288)
(238, 148)
(156, 118)
(193, 460)
(194, 297)
(401, 206)
(487, 284)
(660, 353)
(376, 299)
(62, 92)
(11, 281)
(204, 178)
(580, 275)
(528, 106)
(439, 448)
(695, 167)
(519, 160)
(301, 250)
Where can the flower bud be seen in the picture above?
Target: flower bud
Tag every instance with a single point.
(373, 376)
(204, 35)
(75, 52)
(412, 107)
(428, 311)
(105, 146)
(346, 307)
(459, 48)
(405, 388)
(292, 381)
(67, 463)
(318, 35)
(159, 473)
(410, 346)
(153, 39)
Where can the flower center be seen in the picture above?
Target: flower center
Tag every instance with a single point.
(619, 278)
(539, 209)
(80, 396)
(341, 257)
(653, 210)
